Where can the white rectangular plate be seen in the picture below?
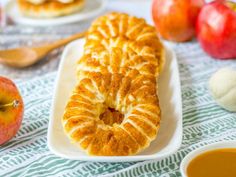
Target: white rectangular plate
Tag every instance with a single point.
(169, 137)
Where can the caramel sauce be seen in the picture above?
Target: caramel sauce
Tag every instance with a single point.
(215, 163)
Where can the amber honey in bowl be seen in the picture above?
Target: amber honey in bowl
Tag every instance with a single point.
(214, 163)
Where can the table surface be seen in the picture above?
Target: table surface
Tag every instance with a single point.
(27, 154)
(15, 36)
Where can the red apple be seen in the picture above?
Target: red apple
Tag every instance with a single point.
(175, 19)
(216, 29)
(11, 109)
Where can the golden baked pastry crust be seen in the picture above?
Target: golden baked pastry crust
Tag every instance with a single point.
(50, 8)
(114, 109)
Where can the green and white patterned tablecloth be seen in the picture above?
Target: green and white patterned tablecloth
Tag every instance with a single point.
(204, 122)
(27, 155)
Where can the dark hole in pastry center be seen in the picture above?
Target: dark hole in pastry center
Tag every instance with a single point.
(111, 116)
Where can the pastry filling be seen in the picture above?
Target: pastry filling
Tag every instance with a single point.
(111, 116)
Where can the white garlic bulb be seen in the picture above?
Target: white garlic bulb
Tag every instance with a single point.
(222, 86)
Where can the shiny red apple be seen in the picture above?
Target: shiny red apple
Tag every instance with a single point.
(175, 19)
(216, 29)
(11, 109)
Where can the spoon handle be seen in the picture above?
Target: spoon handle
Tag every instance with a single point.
(45, 49)
(65, 41)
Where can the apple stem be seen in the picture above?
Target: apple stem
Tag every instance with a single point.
(14, 104)
(231, 5)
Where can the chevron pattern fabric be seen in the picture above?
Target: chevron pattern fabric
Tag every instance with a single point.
(204, 122)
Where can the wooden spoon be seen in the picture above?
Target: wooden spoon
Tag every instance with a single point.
(26, 56)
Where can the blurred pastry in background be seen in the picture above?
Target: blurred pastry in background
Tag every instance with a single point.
(49, 8)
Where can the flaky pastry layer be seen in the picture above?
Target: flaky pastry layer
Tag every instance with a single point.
(114, 109)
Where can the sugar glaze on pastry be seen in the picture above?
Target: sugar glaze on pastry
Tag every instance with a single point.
(114, 109)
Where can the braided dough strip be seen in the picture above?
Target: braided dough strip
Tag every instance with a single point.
(114, 109)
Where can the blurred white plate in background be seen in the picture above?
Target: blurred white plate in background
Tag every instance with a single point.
(92, 8)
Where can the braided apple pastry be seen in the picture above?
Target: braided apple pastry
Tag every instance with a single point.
(114, 109)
